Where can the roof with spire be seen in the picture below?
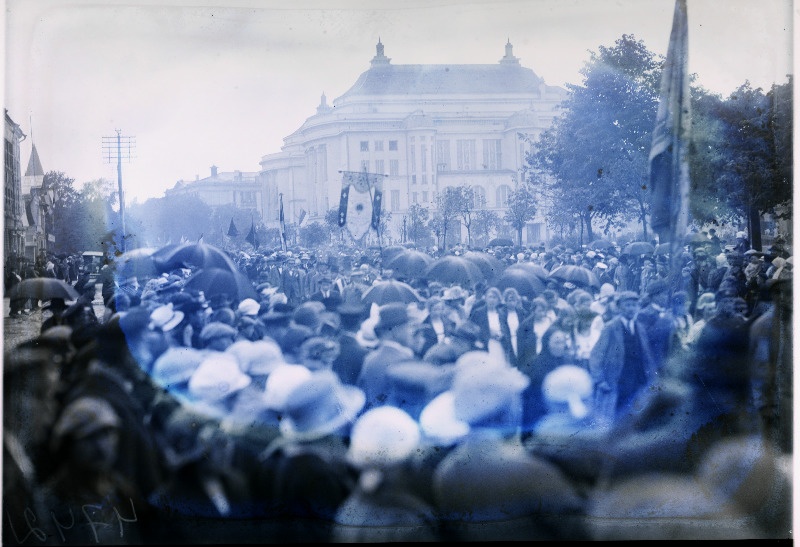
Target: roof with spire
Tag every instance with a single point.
(34, 164)
(384, 78)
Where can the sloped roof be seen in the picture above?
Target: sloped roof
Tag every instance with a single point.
(496, 79)
(34, 164)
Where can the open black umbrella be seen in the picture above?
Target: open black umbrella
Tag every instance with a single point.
(535, 269)
(409, 263)
(216, 281)
(43, 288)
(388, 253)
(636, 248)
(386, 292)
(577, 275)
(501, 242)
(490, 266)
(452, 269)
(188, 255)
(600, 245)
(136, 263)
(526, 283)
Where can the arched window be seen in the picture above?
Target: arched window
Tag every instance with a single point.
(503, 191)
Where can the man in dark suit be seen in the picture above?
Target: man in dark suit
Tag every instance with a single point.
(351, 354)
(327, 294)
(396, 338)
(621, 364)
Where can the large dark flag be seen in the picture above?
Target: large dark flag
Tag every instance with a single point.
(251, 237)
(282, 222)
(232, 231)
(669, 154)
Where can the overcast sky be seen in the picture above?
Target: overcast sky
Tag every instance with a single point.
(201, 86)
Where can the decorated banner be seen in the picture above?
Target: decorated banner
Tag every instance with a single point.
(359, 205)
(669, 153)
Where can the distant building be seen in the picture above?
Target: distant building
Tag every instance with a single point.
(237, 188)
(13, 206)
(425, 126)
(34, 215)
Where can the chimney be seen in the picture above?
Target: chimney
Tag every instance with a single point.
(213, 170)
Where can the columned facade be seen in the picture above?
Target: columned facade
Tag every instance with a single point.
(425, 126)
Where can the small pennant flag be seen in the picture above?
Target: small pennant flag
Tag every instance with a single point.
(302, 216)
(232, 231)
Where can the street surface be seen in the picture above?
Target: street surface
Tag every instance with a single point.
(29, 324)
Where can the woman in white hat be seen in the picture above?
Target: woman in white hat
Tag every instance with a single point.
(384, 505)
(310, 476)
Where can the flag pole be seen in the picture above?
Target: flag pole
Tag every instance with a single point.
(669, 154)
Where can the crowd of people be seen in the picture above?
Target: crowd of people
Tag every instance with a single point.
(638, 405)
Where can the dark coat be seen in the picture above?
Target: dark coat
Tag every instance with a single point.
(331, 302)
(607, 360)
(350, 360)
(373, 379)
(489, 487)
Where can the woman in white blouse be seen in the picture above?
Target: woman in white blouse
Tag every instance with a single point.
(515, 315)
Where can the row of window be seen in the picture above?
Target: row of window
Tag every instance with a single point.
(466, 154)
(378, 146)
(479, 197)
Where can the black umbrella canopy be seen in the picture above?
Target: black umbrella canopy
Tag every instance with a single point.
(388, 253)
(636, 248)
(489, 265)
(136, 263)
(577, 275)
(526, 283)
(501, 242)
(409, 263)
(537, 270)
(43, 288)
(600, 245)
(217, 281)
(386, 292)
(192, 255)
(452, 269)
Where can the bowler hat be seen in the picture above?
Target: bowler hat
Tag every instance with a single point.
(392, 315)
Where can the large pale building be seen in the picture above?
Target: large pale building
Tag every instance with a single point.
(238, 188)
(425, 126)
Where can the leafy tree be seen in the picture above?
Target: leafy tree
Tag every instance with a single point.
(162, 225)
(484, 222)
(595, 155)
(521, 209)
(332, 223)
(465, 197)
(221, 221)
(756, 174)
(449, 209)
(417, 223)
(314, 235)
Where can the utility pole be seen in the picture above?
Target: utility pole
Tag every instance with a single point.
(119, 147)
